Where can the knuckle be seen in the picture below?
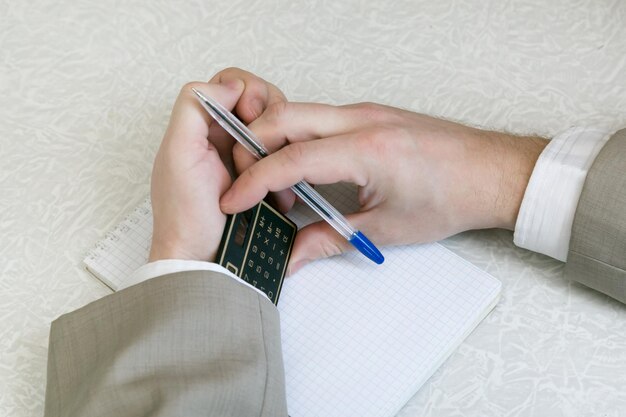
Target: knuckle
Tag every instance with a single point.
(250, 174)
(229, 70)
(252, 181)
(276, 112)
(330, 248)
(396, 132)
(275, 91)
(387, 139)
(403, 140)
(293, 154)
(373, 112)
(379, 113)
(376, 140)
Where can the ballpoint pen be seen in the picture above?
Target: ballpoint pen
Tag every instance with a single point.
(243, 135)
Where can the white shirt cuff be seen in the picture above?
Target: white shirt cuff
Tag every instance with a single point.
(171, 266)
(544, 222)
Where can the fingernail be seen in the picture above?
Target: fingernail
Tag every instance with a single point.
(225, 200)
(297, 266)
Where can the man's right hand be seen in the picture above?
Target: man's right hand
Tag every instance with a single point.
(420, 179)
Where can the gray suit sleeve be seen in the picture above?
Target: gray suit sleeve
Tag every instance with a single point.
(186, 344)
(597, 250)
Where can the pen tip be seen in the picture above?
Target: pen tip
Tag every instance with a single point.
(199, 94)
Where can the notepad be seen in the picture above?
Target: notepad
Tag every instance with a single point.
(358, 339)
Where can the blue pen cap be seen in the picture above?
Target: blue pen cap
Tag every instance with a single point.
(367, 248)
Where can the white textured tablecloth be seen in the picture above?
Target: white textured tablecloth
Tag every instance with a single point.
(85, 93)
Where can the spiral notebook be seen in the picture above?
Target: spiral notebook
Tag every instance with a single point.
(358, 339)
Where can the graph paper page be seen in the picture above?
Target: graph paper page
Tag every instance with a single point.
(360, 339)
(123, 249)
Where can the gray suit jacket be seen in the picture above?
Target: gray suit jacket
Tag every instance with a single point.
(185, 344)
(597, 251)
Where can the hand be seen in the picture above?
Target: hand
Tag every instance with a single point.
(190, 170)
(420, 178)
(257, 96)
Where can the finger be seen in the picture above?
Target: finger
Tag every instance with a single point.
(285, 123)
(323, 161)
(243, 159)
(190, 123)
(258, 94)
(319, 240)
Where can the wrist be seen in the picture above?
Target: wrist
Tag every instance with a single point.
(515, 164)
(495, 171)
(164, 247)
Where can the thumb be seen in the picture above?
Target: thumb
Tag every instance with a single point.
(189, 121)
(226, 93)
(319, 240)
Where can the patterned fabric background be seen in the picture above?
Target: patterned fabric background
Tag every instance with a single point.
(85, 92)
